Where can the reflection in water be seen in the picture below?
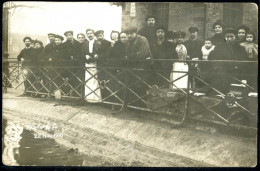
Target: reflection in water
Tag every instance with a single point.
(12, 137)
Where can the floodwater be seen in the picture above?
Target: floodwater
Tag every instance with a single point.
(20, 148)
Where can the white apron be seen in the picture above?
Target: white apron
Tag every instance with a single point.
(92, 84)
(180, 66)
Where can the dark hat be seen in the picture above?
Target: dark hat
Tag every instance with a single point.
(170, 35)
(27, 38)
(230, 30)
(49, 34)
(99, 32)
(179, 34)
(131, 29)
(60, 37)
(161, 28)
(82, 34)
(65, 34)
(193, 29)
(90, 30)
(242, 26)
(219, 22)
(33, 41)
(38, 41)
(149, 16)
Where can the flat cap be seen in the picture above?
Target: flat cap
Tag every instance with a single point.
(193, 29)
(59, 37)
(51, 34)
(90, 30)
(68, 32)
(99, 32)
(131, 29)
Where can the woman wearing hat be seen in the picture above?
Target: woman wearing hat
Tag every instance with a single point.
(180, 66)
(219, 36)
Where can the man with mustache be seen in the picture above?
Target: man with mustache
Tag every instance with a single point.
(26, 56)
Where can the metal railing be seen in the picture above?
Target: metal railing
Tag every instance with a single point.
(150, 86)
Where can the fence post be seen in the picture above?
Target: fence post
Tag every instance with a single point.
(187, 102)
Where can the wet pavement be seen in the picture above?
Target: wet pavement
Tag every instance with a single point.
(33, 151)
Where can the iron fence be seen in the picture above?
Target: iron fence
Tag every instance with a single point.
(211, 91)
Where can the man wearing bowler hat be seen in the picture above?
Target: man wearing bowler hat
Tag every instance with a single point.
(194, 44)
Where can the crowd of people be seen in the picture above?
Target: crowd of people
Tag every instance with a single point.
(144, 49)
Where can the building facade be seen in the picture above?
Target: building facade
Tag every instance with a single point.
(182, 15)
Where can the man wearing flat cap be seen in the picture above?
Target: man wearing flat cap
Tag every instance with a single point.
(229, 50)
(162, 49)
(72, 47)
(139, 56)
(103, 47)
(194, 44)
(148, 31)
(49, 48)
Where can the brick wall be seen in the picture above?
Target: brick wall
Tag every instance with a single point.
(214, 12)
(184, 15)
(250, 16)
(142, 10)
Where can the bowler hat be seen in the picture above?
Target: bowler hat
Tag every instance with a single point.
(68, 32)
(193, 29)
(59, 37)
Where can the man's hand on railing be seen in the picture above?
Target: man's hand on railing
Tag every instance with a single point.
(72, 57)
(22, 59)
(50, 59)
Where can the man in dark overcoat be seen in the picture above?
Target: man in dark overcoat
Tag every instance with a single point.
(162, 49)
(26, 56)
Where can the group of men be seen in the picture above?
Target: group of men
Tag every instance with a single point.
(148, 44)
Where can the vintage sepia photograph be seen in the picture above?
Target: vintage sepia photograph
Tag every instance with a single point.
(129, 84)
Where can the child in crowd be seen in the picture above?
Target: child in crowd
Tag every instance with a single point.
(250, 46)
(206, 49)
(251, 49)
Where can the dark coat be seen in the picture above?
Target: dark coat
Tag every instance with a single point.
(163, 51)
(149, 33)
(73, 51)
(85, 51)
(38, 58)
(217, 39)
(103, 48)
(221, 72)
(58, 55)
(194, 48)
(138, 51)
(119, 51)
(27, 54)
